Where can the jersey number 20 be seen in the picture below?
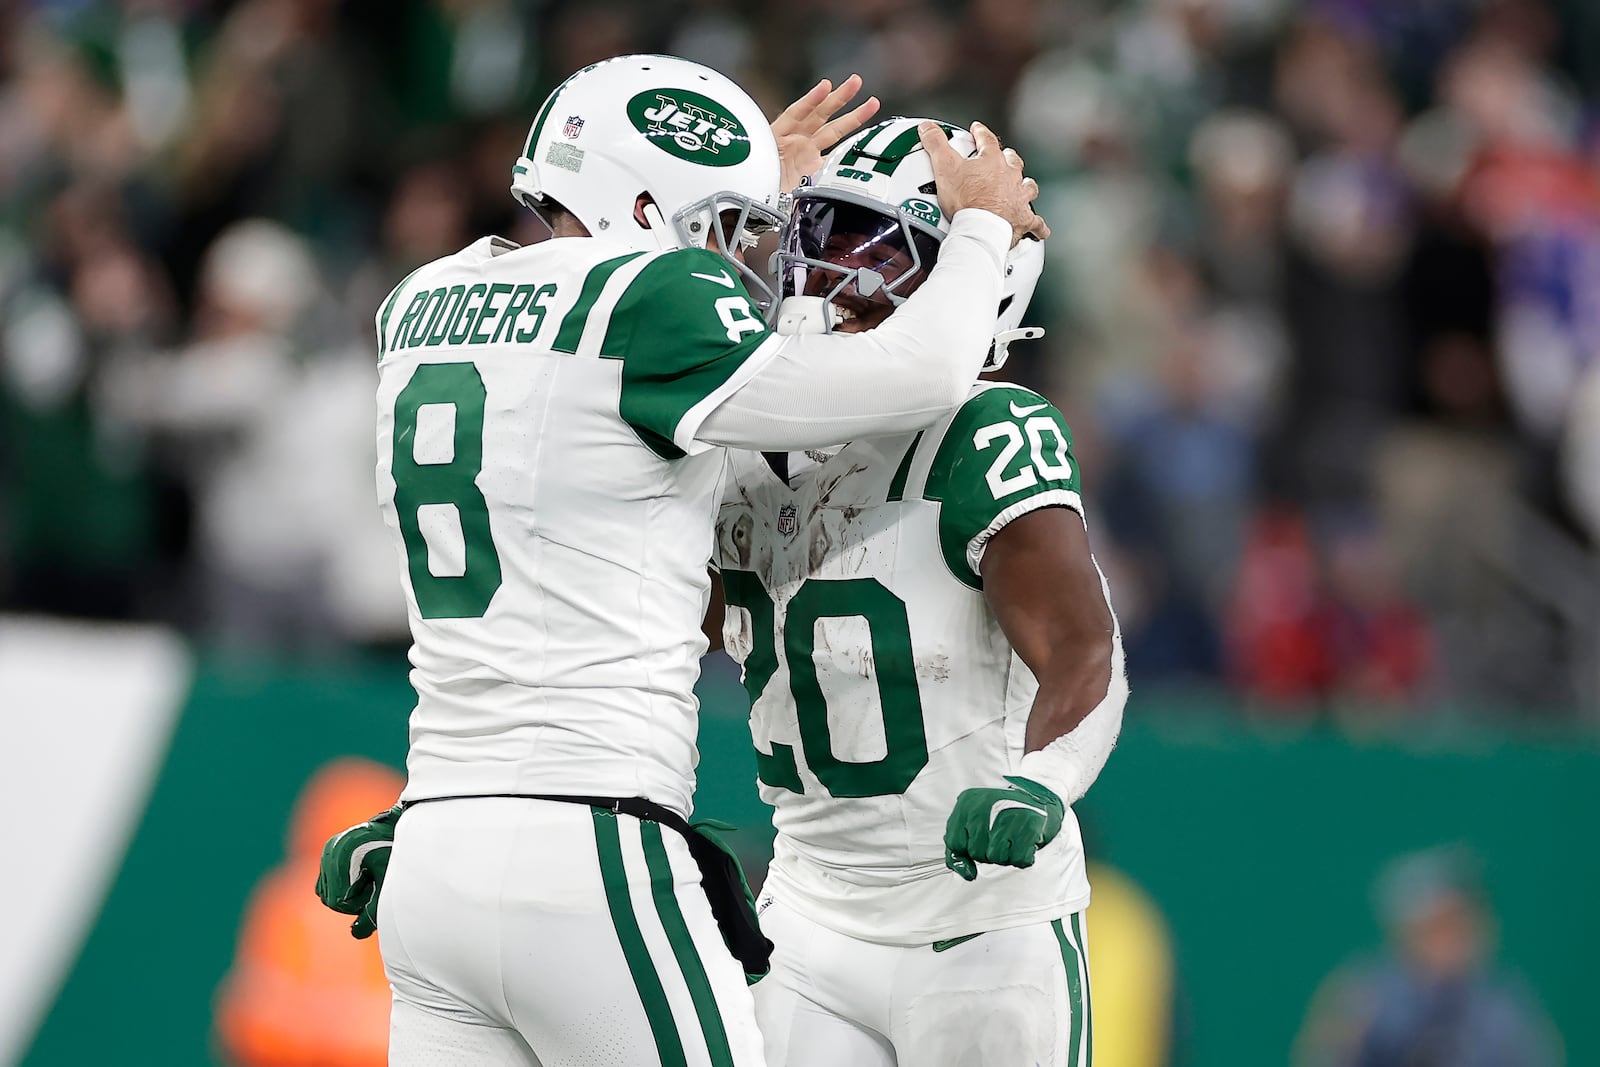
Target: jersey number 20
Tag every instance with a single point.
(437, 484)
(818, 598)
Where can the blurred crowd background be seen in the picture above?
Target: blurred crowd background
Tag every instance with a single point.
(1322, 311)
(1320, 304)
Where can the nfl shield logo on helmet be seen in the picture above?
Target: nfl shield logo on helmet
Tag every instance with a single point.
(573, 127)
(788, 522)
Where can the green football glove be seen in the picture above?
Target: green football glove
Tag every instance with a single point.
(1004, 826)
(354, 862)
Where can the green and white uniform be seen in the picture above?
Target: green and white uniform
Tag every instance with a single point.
(882, 686)
(549, 423)
(553, 513)
(538, 468)
(548, 465)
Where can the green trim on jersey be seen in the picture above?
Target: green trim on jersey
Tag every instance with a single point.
(682, 328)
(897, 484)
(388, 309)
(694, 971)
(573, 324)
(652, 996)
(1003, 447)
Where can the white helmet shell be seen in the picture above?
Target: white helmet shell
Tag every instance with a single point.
(888, 164)
(680, 132)
(885, 168)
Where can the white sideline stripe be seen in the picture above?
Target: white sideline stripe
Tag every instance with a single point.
(87, 712)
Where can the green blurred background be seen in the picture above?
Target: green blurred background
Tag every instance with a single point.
(1259, 845)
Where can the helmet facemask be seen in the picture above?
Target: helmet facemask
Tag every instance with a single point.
(737, 223)
(853, 252)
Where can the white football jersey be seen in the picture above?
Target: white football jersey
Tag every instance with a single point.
(880, 682)
(552, 513)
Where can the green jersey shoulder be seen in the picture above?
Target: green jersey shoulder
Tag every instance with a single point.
(1005, 452)
(680, 322)
(685, 329)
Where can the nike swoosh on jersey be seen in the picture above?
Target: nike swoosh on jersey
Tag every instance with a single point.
(1018, 413)
(940, 946)
(723, 279)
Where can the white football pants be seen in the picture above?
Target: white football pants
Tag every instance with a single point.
(1006, 998)
(529, 933)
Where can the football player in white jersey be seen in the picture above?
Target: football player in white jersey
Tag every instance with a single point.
(551, 427)
(934, 670)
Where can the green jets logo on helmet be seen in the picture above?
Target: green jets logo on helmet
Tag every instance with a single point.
(918, 208)
(689, 126)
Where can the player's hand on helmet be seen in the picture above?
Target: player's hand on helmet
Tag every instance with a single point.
(991, 180)
(354, 863)
(812, 125)
(1005, 826)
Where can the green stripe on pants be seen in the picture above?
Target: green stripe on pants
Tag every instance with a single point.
(1069, 959)
(694, 972)
(608, 842)
(1088, 998)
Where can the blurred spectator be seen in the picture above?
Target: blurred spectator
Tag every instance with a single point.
(1323, 259)
(229, 402)
(1434, 996)
(1582, 454)
(1305, 632)
(302, 990)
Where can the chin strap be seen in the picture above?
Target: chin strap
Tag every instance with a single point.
(658, 228)
(804, 314)
(1002, 344)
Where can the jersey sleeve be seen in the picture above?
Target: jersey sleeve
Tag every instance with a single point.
(1007, 452)
(688, 335)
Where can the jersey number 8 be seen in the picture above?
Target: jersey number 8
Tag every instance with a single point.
(441, 485)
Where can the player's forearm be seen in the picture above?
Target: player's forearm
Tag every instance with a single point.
(1076, 715)
(1072, 686)
(824, 389)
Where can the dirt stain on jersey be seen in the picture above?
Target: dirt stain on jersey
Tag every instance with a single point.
(739, 538)
(821, 543)
(935, 669)
(826, 489)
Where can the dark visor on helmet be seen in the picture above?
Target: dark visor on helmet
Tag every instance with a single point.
(851, 236)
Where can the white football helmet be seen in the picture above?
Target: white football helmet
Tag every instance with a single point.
(682, 133)
(868, 227)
